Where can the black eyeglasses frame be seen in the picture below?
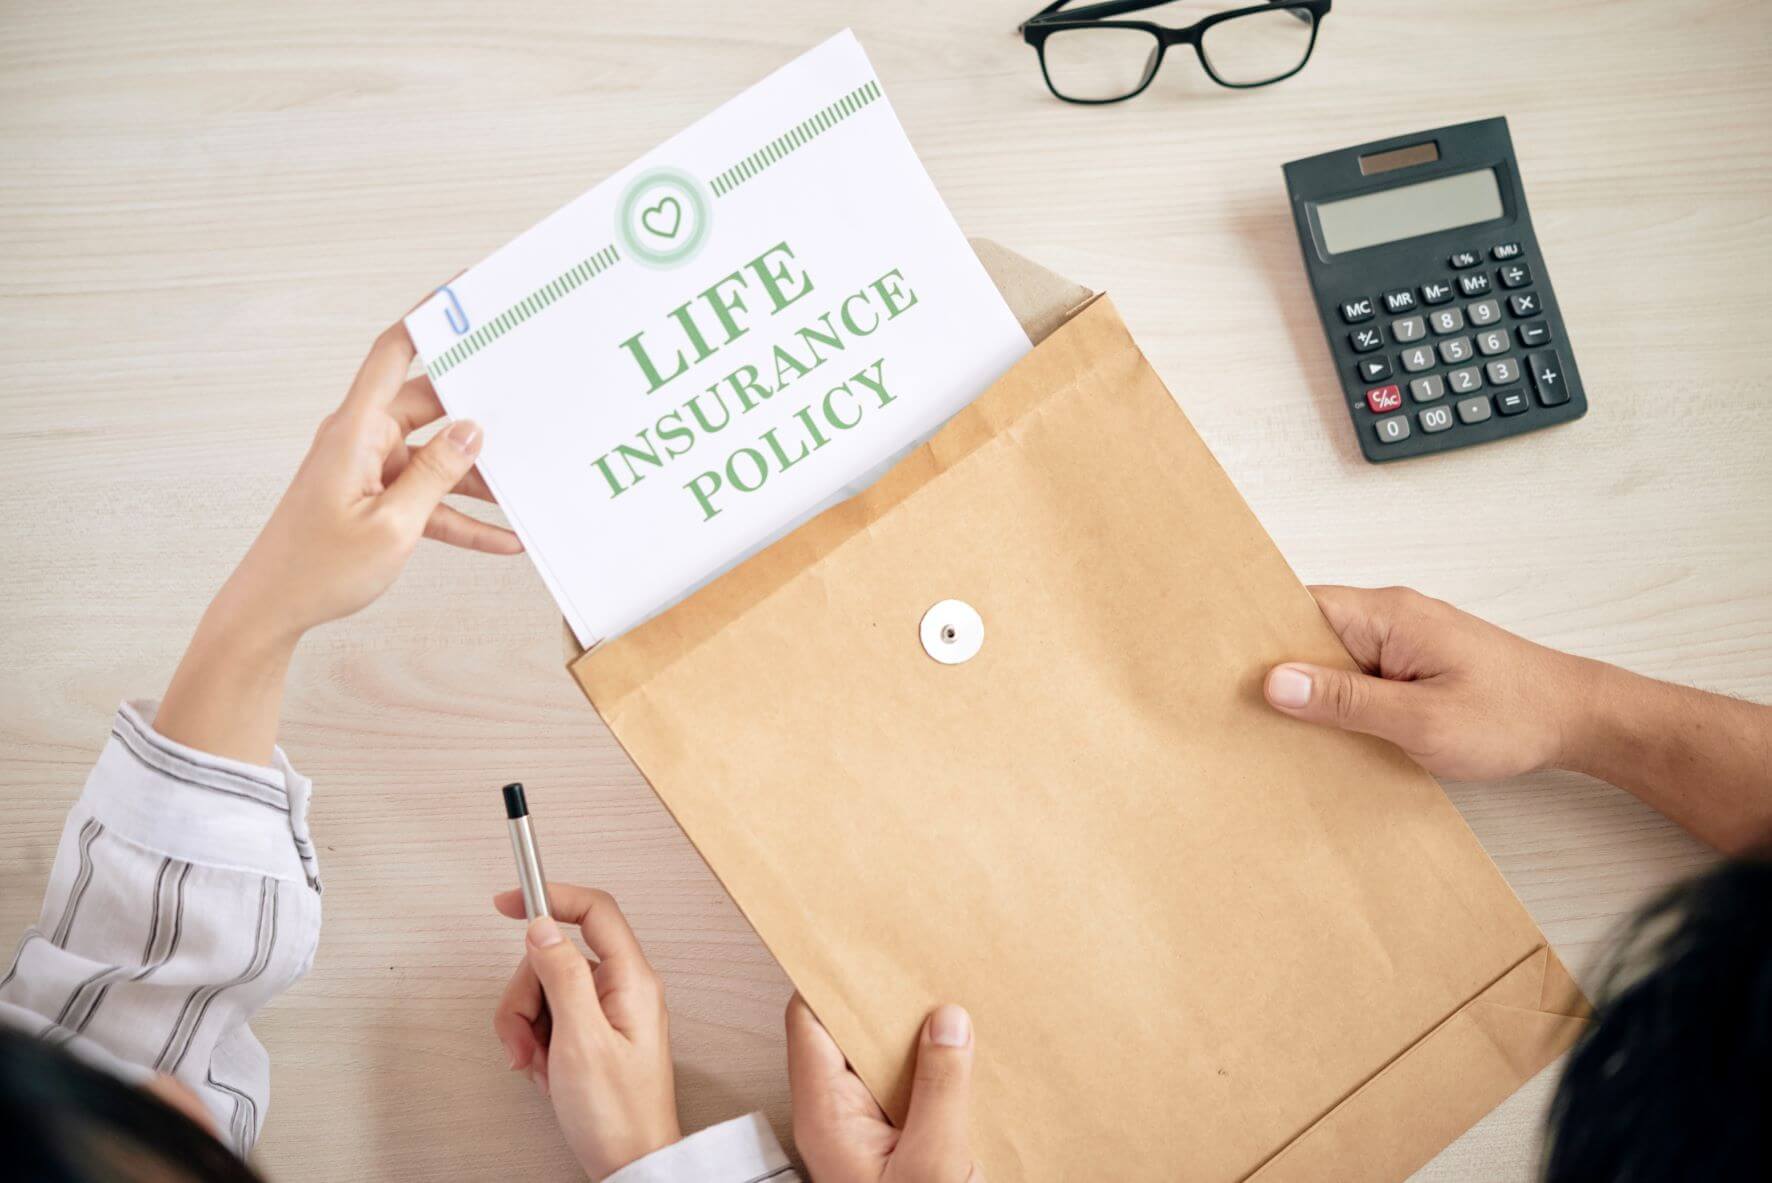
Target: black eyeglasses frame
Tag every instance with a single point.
(1049, 20)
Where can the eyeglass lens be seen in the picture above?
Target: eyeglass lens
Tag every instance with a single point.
(1258, 47)
(1098, 63)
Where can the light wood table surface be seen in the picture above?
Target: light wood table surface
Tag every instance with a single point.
(207, 211)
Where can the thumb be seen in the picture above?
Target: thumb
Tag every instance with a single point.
(564, 974)
(937, 1139)
(434, 470)
(1346, 699)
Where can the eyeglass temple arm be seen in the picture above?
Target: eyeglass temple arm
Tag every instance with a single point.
(1301, 15)
(1116, 7)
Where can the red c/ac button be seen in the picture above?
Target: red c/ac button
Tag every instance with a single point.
(1384, 398)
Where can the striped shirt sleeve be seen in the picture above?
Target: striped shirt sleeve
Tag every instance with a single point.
(743, 1150)
(184, 896)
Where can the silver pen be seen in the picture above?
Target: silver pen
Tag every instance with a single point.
(529, 872)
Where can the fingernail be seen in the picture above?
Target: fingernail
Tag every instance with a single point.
(1288, 686)
(541, 1083)
(543, 932)
(950, 1026)
(512, 1055)
(464, 434)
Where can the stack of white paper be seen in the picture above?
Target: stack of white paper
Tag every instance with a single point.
(690, 359)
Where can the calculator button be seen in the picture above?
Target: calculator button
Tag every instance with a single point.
(1466, 380)
(1365, 340)
(1547, 377)
(1512, 402)
(1435, 419)
(1355, 311)
(1446, 320)
(1524, 304)
(1410, 328)
(1438, 292)
(1418, 358)
(1455, 349)
(1393, 430)
(1505, 250)
(1515, 275)
(1384, 398)
(1474, 409)
(1484, 312)
(1503, 370)
(1463, 259)
(1535, 334)
(1474, 284)
(1374, 368)
(1426, 390)
(1401, 300)
(1492, 341)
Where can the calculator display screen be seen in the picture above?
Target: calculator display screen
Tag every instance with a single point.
(1443, 203)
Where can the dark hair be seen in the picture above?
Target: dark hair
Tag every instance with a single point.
(1674, 1078)
(63, 1121)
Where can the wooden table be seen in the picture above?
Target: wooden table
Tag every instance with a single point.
(208, 211)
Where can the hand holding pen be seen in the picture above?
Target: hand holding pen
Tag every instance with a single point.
(592, 1034)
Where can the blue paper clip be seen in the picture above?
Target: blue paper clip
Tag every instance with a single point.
(458, 319)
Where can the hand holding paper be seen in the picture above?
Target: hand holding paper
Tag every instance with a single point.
(338, 538)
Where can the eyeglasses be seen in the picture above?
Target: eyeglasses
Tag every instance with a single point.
(1088, 58)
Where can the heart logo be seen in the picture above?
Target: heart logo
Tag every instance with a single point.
(663, 219)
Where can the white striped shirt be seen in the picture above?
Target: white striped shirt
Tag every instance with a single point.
(184, 896)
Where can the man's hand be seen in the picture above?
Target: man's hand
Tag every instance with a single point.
(843, 1135)
(1467, 700)
(1470, 701)
(594, 1037)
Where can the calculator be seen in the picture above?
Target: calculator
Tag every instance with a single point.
(1432, 288)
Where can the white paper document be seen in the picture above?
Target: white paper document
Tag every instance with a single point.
(688, 360)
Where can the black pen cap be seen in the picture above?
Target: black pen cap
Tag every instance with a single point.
(515, 805)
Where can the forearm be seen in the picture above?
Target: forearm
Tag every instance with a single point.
(227, 694)
(1702, 759)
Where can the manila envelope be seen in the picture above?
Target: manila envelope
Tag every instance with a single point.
(1199, 940)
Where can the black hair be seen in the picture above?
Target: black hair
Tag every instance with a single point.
(64, 1121)
(1673, 1080)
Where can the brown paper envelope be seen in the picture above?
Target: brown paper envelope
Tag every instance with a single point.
(1438, 1088)
(1199, 940)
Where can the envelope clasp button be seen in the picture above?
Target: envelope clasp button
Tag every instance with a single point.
(952, 632)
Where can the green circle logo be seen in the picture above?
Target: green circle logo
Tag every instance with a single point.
(663, 217)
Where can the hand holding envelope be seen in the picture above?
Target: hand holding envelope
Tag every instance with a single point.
(1299, 959)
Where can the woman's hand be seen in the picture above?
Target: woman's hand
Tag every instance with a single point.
(362, 499)
(593, 1036)
(843, 1135)
(350, 519)
(1467, 700)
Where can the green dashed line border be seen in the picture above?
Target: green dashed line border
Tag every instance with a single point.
(523, 309)
(795, 138)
